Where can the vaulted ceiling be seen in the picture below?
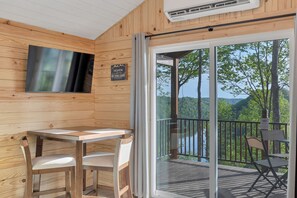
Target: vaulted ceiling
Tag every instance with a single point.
(84, 18)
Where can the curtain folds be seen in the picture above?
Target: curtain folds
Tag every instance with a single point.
(139, 114)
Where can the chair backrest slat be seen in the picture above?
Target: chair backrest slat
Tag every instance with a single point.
(26, 152)
(123, 151)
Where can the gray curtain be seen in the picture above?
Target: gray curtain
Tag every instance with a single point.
(139, 114)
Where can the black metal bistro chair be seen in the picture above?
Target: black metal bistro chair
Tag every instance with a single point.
(277, 137)
(267, 165)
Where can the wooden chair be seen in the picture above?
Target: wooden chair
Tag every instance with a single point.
(267, 165)
(116, 163)
(44, 165)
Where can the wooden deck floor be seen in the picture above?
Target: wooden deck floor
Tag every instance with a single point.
(191, 179)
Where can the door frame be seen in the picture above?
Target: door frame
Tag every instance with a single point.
(212, 44)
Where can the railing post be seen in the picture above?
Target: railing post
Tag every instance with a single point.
(173, 139)
(276, 144)
(264, 125)
(174, 110)
(199, 139)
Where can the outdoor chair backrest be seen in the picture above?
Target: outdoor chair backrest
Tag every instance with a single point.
(254, 142)
(273, 135)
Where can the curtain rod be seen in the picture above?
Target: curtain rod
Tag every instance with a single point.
(211, 28)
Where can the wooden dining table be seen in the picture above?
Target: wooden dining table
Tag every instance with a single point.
(80, 136)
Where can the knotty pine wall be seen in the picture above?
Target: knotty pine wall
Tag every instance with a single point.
(20, 111)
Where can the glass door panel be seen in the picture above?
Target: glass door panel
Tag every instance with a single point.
(253, 95)
(182, 138)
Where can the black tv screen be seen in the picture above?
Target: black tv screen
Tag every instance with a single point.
(54, 70)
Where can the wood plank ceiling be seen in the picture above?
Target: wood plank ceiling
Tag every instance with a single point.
(83, 18)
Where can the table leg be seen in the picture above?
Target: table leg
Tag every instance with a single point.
(38, 153)
(84, 172)
(79, 170)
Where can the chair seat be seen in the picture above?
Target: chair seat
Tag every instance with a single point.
(98, 160)
(275, 162)
(53, 161)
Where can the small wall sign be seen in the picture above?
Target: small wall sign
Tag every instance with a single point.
(119, 72)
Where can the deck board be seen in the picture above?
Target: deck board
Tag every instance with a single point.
(190, 179)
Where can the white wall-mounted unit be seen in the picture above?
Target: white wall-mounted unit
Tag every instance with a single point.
(180, 10)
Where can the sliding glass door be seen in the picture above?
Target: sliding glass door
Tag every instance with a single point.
(208, 97)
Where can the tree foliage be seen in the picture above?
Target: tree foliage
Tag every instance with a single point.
(242, 69)
(188, 68)
(246, 69)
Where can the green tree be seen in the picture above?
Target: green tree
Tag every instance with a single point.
(163, 78)
(253, 111)
(225, 110)
(246, 69)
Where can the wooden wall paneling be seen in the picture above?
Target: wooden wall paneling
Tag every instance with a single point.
(113, 46)
(224, 32)
(114, 89)
(283, 4)
(160, 16)
(115, 123)
(269, 6)
(11, 52)
(111, 107)
(105, 81)
(113, 55)
(12, 64)
(124, 98)
(109, 115)
(152, 17)
(20, 111)
(10, 74)
(31, 33)
(289, 4)
(137, 20)
(44, 106)
(145, 15)
(14, 131)
(275, 5)
(128, 24)
(29, 117)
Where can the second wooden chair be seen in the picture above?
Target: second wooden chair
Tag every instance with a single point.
(116, 163)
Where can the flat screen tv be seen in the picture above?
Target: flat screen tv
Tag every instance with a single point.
(54, 70)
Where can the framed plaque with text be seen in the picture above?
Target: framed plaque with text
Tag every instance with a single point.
(119, 72)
